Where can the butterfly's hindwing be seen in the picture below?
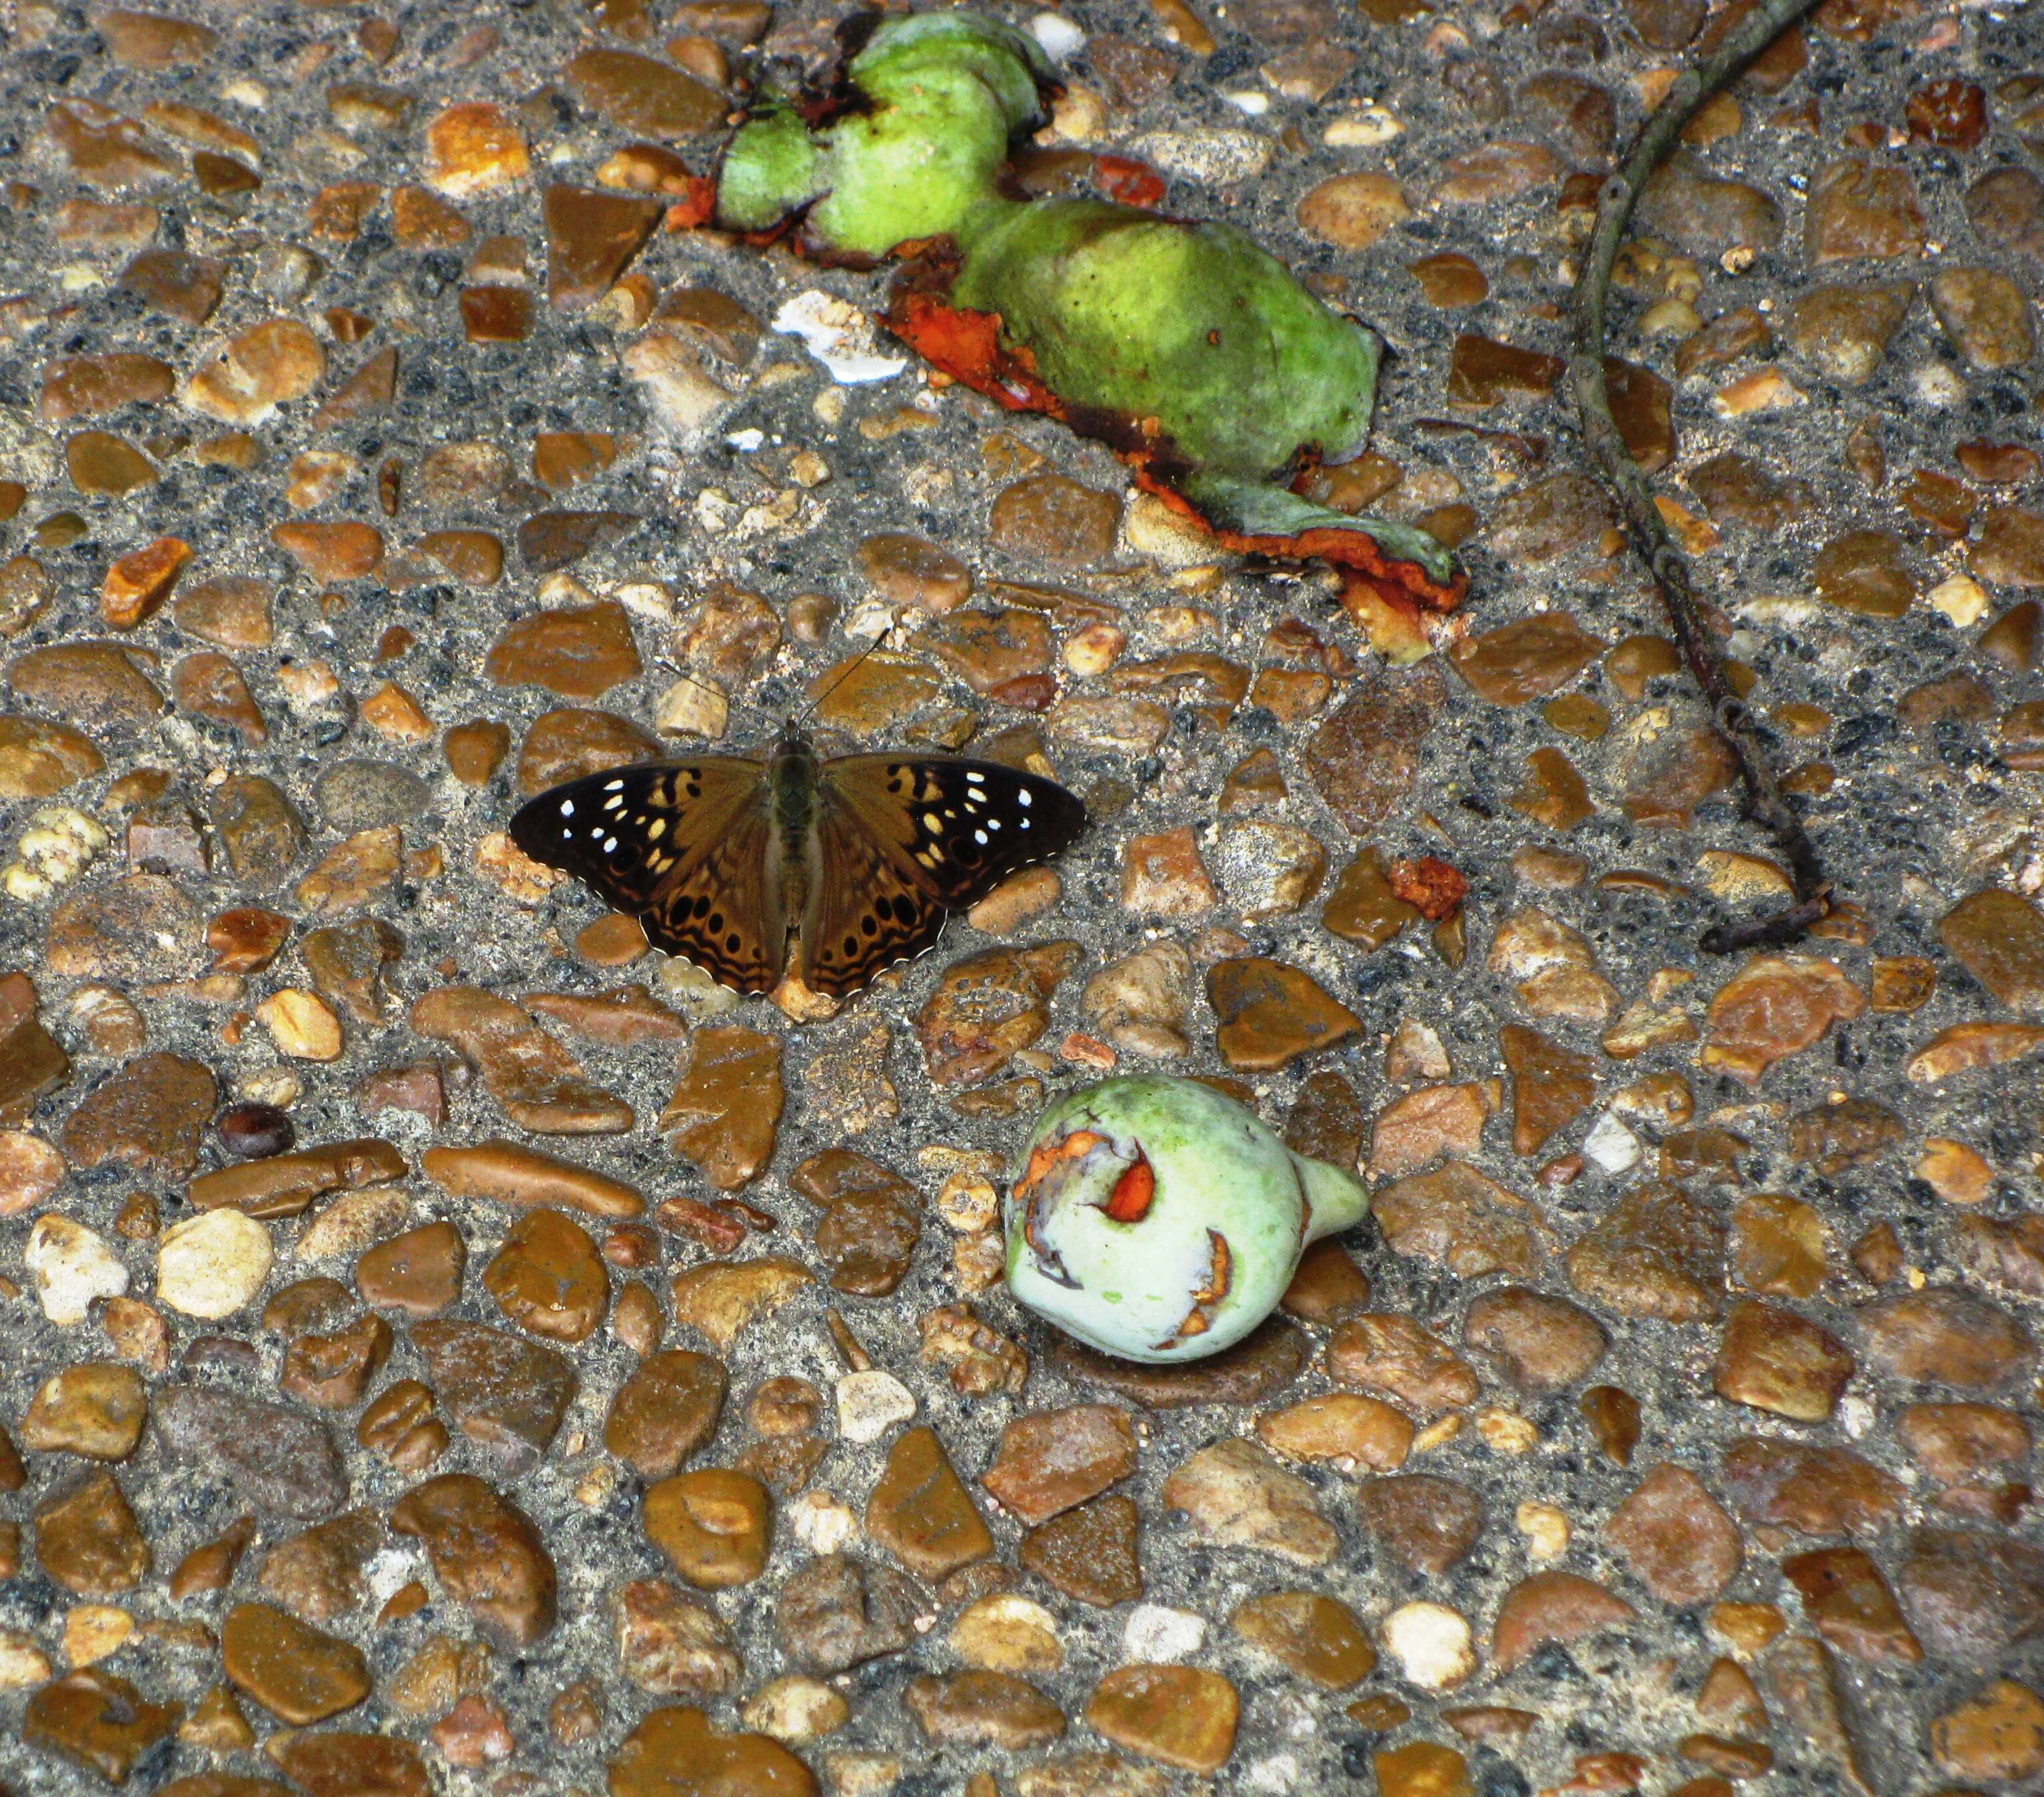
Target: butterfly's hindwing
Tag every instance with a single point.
(955, 828)
(724, 914)
(865, 914)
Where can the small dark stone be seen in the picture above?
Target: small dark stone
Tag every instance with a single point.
(254, 1132)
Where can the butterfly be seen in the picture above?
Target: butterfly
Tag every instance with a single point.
(756, 867)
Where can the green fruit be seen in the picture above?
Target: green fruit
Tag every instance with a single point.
(1184, 344)
(944, 93)
(1158, 1221)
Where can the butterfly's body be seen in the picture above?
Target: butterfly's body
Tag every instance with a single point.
(756, 868)
(794, 867)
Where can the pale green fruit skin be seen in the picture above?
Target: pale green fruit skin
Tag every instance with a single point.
(1217, 1168)
(946, 90)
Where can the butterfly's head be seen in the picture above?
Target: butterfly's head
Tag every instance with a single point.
(793, 739)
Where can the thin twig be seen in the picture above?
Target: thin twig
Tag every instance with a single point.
(1670, 568)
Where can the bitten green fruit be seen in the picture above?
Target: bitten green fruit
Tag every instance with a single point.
(943, 91)
(1157, 1220)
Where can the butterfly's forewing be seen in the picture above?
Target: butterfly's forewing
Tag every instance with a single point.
(680, 845)
(905, 840)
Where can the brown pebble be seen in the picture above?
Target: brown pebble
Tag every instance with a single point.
(667, 1408)
(1315, 1637)
(1422, 1521)
(507, 1394)
(1542, 1343)
(87, 1539)
(1848, 1602)
(417, 1273)
(299, 1674)
(96, 1409)
(487, 1554)
(507, 1173)
(1181, 1716)
(1552, 1608)
(714, 1525)
(921, 1511)
(1052, 1460)
(1678, 1539)
(1089, 1553)
(98, 1720)
(1776, 1361)
(675, 1750)
(725, 1109)
(540, 1086)
(548, 1277)
(907, 571)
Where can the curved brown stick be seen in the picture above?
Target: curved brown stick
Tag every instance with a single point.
(1672, 573)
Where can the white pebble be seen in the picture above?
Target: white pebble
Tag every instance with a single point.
(1430, 1643)
(1159, 1635)
(821, 1523)
(1613, 1146)
(871, 1403)
(71, 1266)
(212, 1264)
(1937, 385)
(23, 1665)
(1061, 39)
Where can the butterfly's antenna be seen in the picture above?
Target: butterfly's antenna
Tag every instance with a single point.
(684, 678)
(858, 661)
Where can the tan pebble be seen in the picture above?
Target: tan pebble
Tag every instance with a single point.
(1766, 390)
(1958, 1174)
(23, 1665)
(212, 1264)
(473, 148)
(1997, 1734)
(395, 715)
(30, 1169)
(1007, 1633)
(301, 1025)
(92, 1631)
(796, 1710)
(1545, 1529)
(1506, 1432)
